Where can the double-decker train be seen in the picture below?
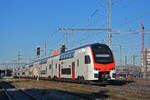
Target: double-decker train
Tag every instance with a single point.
(89, 62)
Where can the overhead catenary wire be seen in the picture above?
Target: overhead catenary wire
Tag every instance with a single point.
(135, 18)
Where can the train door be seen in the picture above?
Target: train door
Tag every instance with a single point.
(46, 74)
(55, 73)
(59, 72)
(73, 70)
(52, 68)
(50, 72)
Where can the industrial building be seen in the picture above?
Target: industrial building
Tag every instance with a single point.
(129, 72)
(145, 63)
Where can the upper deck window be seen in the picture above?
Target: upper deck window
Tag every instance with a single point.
(42, 61)
(67, 56)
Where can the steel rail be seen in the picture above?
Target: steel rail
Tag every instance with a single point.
(7, 94)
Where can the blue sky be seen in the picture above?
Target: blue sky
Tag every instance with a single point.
(25, 24)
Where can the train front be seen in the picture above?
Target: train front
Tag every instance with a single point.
(103, 60)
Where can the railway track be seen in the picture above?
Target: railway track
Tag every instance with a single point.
(13, 93)
(130, 90)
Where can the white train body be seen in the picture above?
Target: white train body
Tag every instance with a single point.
(74, 64)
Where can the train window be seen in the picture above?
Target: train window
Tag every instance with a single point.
(66, 71)
(50, 66)
(56, 66)
(43, 72)
(78, 62)
(67, 56)
(70, 55)
(87, 59)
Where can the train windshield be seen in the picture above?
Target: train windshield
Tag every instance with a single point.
(102, 54)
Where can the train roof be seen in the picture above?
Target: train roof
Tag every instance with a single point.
(46, 58)
(84, 46)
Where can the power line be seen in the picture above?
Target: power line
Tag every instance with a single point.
(84, 29)
(19, 59)
(109, 26)
(130, 32)
(132, 20)
(45, 49)
(79, 29)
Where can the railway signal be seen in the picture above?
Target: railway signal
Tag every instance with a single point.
(38, 52)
